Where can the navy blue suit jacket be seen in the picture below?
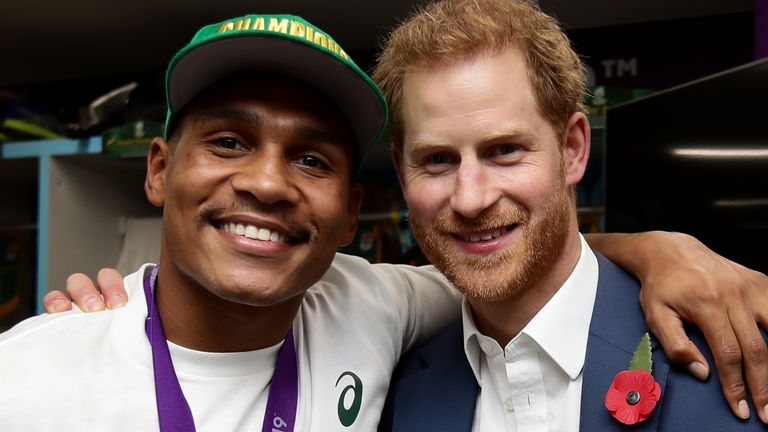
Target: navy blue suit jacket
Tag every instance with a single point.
(434, 389)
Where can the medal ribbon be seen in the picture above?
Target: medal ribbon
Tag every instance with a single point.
(172, 407)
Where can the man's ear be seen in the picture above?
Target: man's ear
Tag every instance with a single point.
(397, 159)
(576, 148)
(353, 214)
(158, 160)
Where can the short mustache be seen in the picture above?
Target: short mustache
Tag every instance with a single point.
(452, 222)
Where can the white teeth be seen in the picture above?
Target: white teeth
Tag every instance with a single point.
(252, 232)
(483, 237)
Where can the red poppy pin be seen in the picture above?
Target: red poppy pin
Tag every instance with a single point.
(633, 393)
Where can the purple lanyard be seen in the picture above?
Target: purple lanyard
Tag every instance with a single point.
(172, 407)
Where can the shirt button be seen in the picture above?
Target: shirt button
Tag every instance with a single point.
(509, 404)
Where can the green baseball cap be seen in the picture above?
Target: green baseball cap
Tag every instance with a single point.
(283, 44)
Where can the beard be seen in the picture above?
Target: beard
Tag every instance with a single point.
(505, 274)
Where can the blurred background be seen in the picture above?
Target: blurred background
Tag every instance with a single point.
(677, 105)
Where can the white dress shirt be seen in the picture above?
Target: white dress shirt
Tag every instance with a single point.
(534, 383)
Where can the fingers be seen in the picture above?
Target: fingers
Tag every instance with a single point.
(747, 307)
(755, 359)
(56, 301)
(84, 293)
(668, 328)
(727, 353)
(112, 289)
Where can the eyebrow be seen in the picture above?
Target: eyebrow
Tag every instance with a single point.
(495, 135)
(509, 132)
(253, 118)
(310, 133)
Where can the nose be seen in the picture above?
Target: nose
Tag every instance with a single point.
(267, 176)
(474, 188)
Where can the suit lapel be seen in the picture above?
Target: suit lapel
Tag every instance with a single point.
(616, 328)
(442, 395)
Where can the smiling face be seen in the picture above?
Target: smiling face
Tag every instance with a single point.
(256, 190)
(487, 179)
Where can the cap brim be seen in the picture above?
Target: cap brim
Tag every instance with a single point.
(206, 64)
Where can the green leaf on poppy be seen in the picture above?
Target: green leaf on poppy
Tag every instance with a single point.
(641, 360)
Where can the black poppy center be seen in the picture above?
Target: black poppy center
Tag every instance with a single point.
(633, 397)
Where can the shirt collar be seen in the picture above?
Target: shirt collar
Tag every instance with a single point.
(560, 328)
(471, 343)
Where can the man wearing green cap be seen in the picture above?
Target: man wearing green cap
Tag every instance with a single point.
(267, 121)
